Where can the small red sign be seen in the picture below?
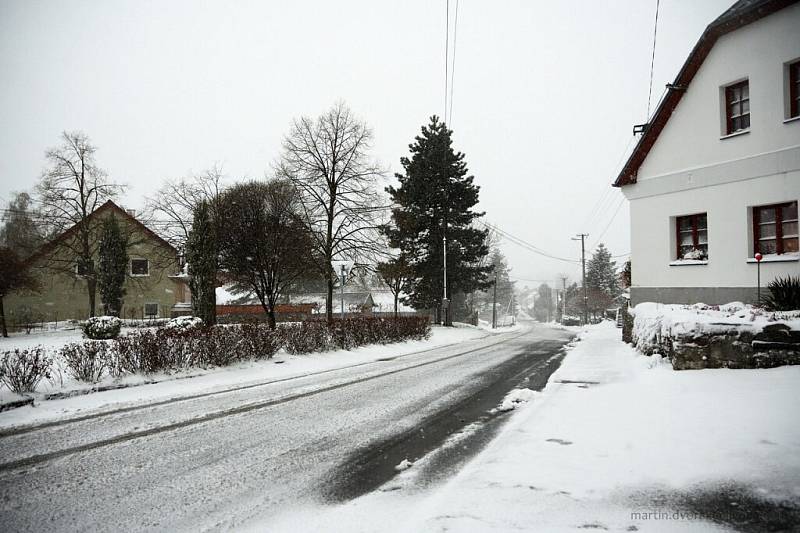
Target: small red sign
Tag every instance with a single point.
(759, 257)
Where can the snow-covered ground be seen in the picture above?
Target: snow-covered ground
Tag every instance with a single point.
(164, 386)
(654, 321)
(616, 441)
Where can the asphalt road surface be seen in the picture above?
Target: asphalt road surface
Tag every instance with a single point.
(220, 460)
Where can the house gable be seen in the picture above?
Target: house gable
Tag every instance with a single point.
(715, 61)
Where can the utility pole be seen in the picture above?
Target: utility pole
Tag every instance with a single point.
(494, 303)
(564, 297)
(582, 237)
(445, 306)
(342, 292)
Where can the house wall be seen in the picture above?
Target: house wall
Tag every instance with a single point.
(63, 295)
(691, 169)
(758, 52)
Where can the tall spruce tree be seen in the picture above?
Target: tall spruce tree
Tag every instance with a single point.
(435, 200)
(602, 280)
(113, 251)
(201, 255)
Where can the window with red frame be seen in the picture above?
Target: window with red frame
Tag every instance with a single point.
(692, 233)
(775, 229)
(737, 106)
(794, 89)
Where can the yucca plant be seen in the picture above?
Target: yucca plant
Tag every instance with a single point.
(784, 294)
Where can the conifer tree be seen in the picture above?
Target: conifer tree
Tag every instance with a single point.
(201, 254)
(435, 199)
(602, 280)
(113, 251)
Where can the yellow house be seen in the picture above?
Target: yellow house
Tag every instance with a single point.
(154, 286)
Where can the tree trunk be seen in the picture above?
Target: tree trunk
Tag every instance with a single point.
(91, 286)
(271, 318)
(3, 317)
(395, 305)
(329, 300)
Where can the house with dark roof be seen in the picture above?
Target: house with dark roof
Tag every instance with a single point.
(154, 286)
(714, 180)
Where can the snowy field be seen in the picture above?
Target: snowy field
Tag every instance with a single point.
(163, 386)
(616, 441)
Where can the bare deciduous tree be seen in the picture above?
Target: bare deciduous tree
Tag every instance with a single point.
(171, 209)
(264, 246)
(22, 230)
(328, 161)
(72, 186)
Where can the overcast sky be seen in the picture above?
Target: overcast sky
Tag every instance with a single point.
(545, 93)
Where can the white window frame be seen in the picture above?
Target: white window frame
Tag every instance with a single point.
(139, 275)
(77, 266)
(144, 309)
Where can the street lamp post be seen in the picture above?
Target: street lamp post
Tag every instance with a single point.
(759, 257)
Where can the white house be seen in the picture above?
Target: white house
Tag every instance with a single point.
(715, 177)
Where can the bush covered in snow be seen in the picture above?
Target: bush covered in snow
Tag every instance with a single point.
(184, 323)
(86, 361)
(570, 320)
(318, 336)
(102, 327)
(733, 335)
(22, 370)
(169, 349)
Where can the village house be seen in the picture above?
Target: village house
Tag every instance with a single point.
(154, 287)
(715, 177)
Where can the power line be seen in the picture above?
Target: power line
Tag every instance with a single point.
(652, 60)
(524, 244)
(446, 53)
(608, 192)
(453, 69)
(616, 211)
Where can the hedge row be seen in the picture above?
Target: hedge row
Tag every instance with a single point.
(346, 334)
(179, 348)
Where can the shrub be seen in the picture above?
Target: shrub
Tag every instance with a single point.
(86, 361)
(784, 294)
(168, 349)
(317, 335)
(306, 337)
(183, 323)
(22, 370)
(258, 341)
(102, 327)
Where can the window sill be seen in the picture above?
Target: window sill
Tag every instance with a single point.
(793, 119)
(688, 262)
(735, 134)
(783, 258)
(140, 275)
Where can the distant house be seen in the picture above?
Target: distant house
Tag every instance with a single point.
(154, 287)
(715, 176)
(354, 301)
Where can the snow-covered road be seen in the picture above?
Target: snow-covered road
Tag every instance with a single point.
(222, 460)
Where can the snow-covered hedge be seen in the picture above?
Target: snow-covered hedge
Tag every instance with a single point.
(182, 323)
(318, 336)
(727, 332)
(102, 327)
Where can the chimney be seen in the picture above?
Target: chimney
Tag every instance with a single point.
(131, 212)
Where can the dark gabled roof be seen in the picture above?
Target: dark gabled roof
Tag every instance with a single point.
(738, 15)
(108, 206)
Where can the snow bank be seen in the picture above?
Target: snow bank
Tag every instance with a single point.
(656, 325)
